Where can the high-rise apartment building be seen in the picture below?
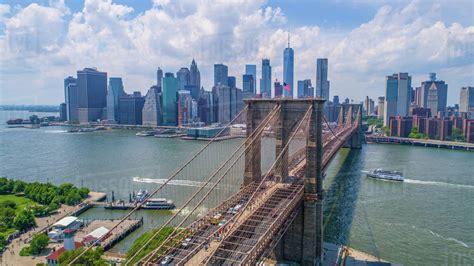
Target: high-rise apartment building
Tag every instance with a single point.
(169, 92)
(266, 80)
(288, 70)
(114, 92)
(252, 70)
(322, 82)
(92, 94)
(221, 73)
(152, 109)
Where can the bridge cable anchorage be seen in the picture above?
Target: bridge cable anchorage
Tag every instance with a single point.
(252, 197)
(159, 188)
(252, 136)
(257, 132)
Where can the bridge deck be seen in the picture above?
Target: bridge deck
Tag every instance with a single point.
(246, 238)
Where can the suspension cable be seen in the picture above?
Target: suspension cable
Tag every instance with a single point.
(256, 132)
(283, 151)
(159, 188)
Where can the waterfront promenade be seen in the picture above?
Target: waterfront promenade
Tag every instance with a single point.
(453, 145)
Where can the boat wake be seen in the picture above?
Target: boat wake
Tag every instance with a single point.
(55, 131)
(177, 182)
(431, 232)
(435, 183)
(450, 239)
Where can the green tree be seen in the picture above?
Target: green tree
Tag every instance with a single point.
(73, 198)
(83, 192)
(3, 242)
(8, 204)
(7, 215)
(39, 243)
(24, 220)
(90, 258)
(457, 134)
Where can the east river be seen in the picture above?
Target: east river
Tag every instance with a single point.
(426, 220)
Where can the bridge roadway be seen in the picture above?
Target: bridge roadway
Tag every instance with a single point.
(242, 241)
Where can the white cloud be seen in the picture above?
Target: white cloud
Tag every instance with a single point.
(51, 43)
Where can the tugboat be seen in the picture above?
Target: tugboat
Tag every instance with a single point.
(386, 175)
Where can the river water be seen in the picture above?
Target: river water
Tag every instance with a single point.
(427, 220)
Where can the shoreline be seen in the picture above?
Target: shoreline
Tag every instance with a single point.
(449, 145)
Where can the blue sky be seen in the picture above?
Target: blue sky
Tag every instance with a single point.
(44, 41)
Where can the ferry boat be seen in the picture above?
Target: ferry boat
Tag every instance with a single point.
(146, 133)
(159, 204)
(141, 195)
(385, 175)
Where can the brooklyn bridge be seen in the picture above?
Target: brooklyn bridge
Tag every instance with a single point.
(275, 210)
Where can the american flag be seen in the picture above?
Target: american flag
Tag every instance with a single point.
(286, 87)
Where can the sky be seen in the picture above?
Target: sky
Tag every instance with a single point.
(42, 42)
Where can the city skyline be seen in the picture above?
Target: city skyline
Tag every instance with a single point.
(345, 45)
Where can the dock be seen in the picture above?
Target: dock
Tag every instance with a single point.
(127, 227)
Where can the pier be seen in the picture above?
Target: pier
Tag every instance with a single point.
(127, 227)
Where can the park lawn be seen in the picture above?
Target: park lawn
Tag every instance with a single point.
(21, 202)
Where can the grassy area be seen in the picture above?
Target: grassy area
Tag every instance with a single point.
(139, 242)
(21, 202)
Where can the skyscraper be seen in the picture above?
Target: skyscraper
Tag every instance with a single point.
(131, 108)
(231, 82)
(322, 82)
(222, 103)
(62, 112)
(152, 110)
(185, 106)
(194, 80)
(305, 89)
(466, 101)
(252, 70)
(71, 99)
(159, 77)
(184, 77)
(92, 94)
(266, 80)
(114, 92)
(433, 94)
(221, 73)
(368, 106)
(288, 69)
(247, 85)
(397, 96)
(380, 105)
(170, 91)
(278, 89)
(67, 81)
(205, 107)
